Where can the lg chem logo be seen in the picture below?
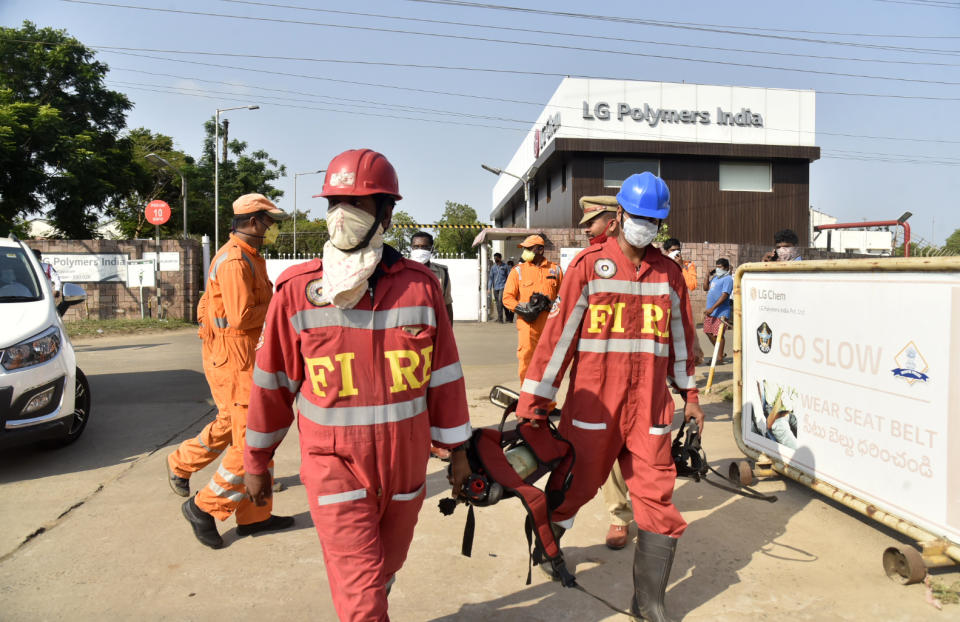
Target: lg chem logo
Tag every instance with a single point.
(766, 294)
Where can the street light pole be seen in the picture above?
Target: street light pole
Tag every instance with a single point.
(526, 180)
(152, 157)
(295, 176)
(216, 172)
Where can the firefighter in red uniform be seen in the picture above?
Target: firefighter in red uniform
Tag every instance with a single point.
(621, 320)
(361, 347)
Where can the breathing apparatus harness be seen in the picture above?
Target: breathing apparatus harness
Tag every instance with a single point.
(506, 462)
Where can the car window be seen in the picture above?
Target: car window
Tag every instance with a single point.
(18, 281)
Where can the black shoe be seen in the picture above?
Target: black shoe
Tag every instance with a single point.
(274, 523)
(204, 525)
(539, 556)
(180, 485)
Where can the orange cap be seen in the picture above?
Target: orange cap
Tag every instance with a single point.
(532, 240)
(253, 203)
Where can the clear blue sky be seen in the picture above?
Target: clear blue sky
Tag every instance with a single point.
(438, 125)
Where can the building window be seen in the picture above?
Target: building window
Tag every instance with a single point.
(615, 170)
(746, 176)
(563, 178)
(549, 184)
(536, 198)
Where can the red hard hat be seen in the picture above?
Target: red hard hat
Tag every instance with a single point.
(360, 172)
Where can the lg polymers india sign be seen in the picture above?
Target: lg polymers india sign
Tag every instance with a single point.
(603, 111)
(89, 267)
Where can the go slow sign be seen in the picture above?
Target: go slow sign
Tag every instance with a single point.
(157, 212)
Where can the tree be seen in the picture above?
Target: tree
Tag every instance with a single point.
(457, 240)
(401, 230)
(60, 143)
(154, 182)
(952, 245)
(311, 236)
(245, 174)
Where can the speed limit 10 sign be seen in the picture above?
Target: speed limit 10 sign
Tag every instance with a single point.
(157, 212)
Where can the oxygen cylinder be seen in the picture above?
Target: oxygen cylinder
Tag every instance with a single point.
(522, 460)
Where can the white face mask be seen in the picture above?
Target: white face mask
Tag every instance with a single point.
(421, 255)
(721, 272)
(348, 225)
(674, 254)
(639, 232)
(527, 255)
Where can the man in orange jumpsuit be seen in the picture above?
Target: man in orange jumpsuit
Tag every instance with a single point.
(623, 321)
(360, 346)
(238, 293)
(194, 454)
(535, 275)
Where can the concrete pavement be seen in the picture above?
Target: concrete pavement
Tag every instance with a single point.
(93, 531)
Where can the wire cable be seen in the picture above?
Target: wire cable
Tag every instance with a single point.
(511, 42)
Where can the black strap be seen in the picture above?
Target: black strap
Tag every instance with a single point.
(745, 491)
(466, 548)
(604, 601)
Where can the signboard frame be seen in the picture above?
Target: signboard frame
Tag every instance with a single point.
(937, 548)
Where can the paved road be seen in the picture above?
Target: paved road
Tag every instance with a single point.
(92, 531)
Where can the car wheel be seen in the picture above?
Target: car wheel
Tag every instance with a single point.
(81, 413)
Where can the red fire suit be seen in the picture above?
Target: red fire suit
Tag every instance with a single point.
(238, 293)
(626, 331)
(372, 386)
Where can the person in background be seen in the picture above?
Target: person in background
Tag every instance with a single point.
(55, 283)
(530, 291)
(672, 249)
(237, 295)
(508, 314)
(719, 303)
(421, 250)
(786, 247)
(496, 282)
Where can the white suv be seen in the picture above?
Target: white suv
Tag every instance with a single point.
(43, 395)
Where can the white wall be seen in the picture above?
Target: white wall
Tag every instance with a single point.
(464, 283)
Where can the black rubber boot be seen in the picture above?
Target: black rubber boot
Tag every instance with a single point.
(274, 523)
(651, 572)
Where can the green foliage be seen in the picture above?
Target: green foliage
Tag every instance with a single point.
(399, 237)
(953, 243)
(60, 143)
(457, 240)
(663, 234)
(311, 236)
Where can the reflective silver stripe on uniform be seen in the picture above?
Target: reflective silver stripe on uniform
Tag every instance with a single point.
(634, 288)
(632, 346)
(340, 497)
(451, 436)
(361, 415)
(216, 266)
(226, 493)
(264, 440)
(363, 318)
(659, 430)
(228, 477)
(275, 380)
(223, 258)
(444, 375)
(586, 425)
(409, 496)
(221, 322)
(679, 344)
(545, 388)
(204, 445)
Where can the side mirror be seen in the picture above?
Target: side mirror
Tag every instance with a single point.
(72, 294)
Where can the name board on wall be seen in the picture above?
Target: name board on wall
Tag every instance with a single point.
(89, 267)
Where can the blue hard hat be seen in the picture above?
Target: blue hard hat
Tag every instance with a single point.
(645, 194)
